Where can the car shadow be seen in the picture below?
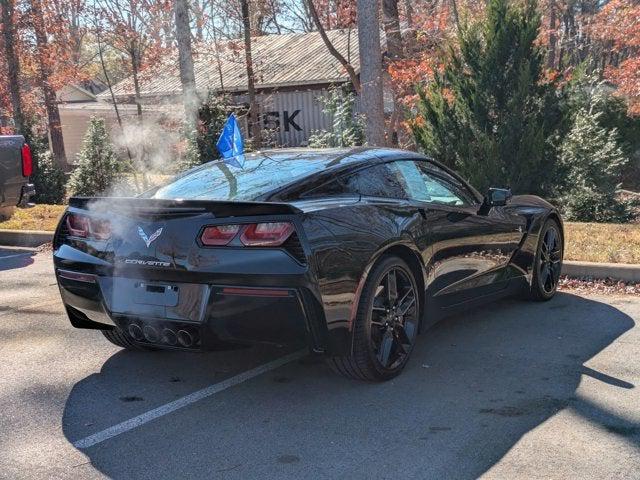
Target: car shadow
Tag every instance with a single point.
(475, 385)
(13, 260)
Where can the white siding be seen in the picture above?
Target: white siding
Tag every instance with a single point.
(295, 115)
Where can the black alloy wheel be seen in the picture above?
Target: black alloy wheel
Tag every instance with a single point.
(548, 264)
(386, 325)
(394, 319)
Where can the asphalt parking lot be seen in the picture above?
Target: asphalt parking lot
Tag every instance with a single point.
(515, 390)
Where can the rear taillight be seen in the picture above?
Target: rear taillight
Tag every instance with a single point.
(100, 229)
(27, 161)
(77, 225)
(219, 235)
(268, 234)
(272, 234)
(85, 227)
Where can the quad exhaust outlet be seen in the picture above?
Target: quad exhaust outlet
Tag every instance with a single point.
(182, 337)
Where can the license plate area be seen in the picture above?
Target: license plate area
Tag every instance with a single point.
(162, 295)
(141, 297)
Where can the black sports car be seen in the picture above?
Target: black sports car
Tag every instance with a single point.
(351, 252)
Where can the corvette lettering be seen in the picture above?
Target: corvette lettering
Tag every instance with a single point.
(146, 263)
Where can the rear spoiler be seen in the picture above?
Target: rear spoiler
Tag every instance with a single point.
(151, 206)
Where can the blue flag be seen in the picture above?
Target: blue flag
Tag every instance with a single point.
(230, 144)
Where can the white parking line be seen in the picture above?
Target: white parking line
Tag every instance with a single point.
(163, 410)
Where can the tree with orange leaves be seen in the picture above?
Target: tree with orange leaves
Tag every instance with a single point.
(134, 28)
(618, 23)
(38, 58)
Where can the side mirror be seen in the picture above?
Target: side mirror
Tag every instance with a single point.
(497, 197)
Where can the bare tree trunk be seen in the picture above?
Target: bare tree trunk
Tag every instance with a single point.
(391, 23)
(408, 11)
(185, 57)
(371, 71)
(50, 100)
(353, 76)
(218, 62)
(254, 114)
(141, 153)
(456, 17)
(553, 40)
(115, 107)
(13, 65)
(136, 81)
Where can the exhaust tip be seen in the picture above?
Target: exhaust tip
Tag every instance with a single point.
(184, 338)
(169, 337)
(135, 331)
(150, 333)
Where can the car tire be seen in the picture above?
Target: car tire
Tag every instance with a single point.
(384, 330)
(547, 265)
(119, 338)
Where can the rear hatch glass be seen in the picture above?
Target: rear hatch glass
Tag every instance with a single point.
(261, 173)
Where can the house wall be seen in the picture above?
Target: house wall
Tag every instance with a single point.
(70, 93)
(293, 115)
(75, 124)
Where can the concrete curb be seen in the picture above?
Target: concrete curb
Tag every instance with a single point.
(616, 271)
(25, 238)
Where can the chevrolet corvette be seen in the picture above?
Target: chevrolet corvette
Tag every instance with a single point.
(351, 253)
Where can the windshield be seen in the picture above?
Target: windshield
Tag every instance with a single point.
(260, 174)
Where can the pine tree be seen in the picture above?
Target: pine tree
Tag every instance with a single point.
(99, 170)
(592, 160)
(489, 114)
(347, 127)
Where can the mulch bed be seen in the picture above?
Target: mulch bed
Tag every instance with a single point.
(603, 287)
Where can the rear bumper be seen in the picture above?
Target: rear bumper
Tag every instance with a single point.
(276, 309)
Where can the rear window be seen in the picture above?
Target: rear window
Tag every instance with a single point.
(260, 174)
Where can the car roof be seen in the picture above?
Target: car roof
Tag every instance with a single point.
(338, 157)
(343, 160)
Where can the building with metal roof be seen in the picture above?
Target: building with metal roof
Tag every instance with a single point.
(281, 62)
(292, 73)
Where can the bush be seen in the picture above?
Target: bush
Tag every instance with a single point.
(49, 180)
(591, 161)
(99, 170)
(212, 116)
(199, 145)
(191, 155)
(347, 128)
(490, 114)
(587, 90)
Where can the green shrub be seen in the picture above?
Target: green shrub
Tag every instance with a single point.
(347, 127)
(591, 161)
(49, 180)
(489, 114)
(212, 116)
(587, 90)
(99, 171)
(191, 154)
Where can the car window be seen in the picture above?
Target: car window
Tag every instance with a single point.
(384, 180)
(428, 183)
(402, 179)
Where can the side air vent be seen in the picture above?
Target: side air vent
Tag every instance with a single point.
(294, 247)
